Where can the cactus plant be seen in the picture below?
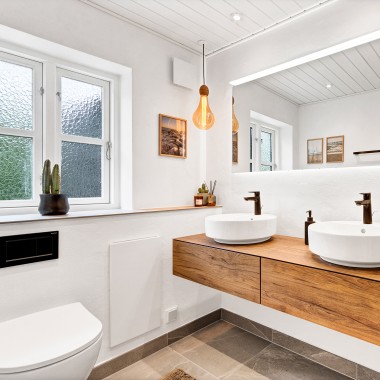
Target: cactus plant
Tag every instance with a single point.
(51, 181)
(203, 189)
(55, 180)
(46, 178)
(52, 202)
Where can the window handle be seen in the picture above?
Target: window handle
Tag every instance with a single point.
(108, 150)
(59, 95)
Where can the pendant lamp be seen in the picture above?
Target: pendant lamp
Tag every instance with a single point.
(203, 118)
(235, 123)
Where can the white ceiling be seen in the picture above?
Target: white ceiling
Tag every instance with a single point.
(188, 21)
(349, 72)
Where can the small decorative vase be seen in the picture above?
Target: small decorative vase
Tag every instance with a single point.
(53, 204)
(211, 200)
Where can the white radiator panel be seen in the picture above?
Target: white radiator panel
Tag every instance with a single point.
(135, 288)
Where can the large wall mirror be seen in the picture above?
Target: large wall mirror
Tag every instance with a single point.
(320, 114)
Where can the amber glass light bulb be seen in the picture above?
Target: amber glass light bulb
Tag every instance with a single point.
(235, 123)
(203, 118)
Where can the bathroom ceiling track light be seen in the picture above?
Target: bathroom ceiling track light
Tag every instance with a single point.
(203, 118)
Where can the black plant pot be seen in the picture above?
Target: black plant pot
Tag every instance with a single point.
(53, 204)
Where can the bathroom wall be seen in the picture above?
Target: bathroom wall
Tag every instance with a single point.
(329, 193)
(82, 271)
(81, 274)
(77, 25)
(354, 117)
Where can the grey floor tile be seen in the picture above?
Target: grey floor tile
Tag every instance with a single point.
(186, 344)
(244, 373)
(211, 360)
(232, 341)
(191, 327)
(137, 371)
(367, 374)
(316, 354)
(277, 363)
(246, 324)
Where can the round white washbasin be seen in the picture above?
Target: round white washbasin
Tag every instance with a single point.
(352, 244)
(240, 228)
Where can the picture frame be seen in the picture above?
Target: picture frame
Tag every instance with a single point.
(315, 151)
(235, 148)
(172, 136)
(335, 149)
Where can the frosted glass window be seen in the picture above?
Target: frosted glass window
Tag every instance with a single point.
(266, 146)
(81, 108)
(265, 168)
(16, 167)
(16, 96)
(81, 170)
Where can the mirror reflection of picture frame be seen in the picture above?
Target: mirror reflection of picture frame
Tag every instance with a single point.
(235, 148)
(335, 149)
(172, 136)
(315, 151)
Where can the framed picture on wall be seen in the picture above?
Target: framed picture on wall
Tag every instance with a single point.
(172, 136)
(335, 149)
(235, 148)
(315, 151)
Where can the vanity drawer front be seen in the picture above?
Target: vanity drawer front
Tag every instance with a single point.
(228, 271)
(344, 303)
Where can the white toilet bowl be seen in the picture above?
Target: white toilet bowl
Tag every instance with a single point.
(56, 344)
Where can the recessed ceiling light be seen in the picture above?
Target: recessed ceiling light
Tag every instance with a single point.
(236, 16)
(328, 85)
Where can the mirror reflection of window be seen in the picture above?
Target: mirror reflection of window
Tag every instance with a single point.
(262, 148)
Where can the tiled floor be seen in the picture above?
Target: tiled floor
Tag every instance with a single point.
(224, 351)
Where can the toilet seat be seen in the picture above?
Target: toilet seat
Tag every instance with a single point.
(40, 339)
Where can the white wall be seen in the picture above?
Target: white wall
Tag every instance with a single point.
(253, 97)
(82, 271)
(82, 27)
(329, 193)
(356, 117)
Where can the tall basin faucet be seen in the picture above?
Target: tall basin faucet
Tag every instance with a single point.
(257, 201)
(367, 208)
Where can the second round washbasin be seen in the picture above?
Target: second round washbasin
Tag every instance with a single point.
(240, 228)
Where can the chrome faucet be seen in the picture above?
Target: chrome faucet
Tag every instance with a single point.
(367, 208)
(257, 201)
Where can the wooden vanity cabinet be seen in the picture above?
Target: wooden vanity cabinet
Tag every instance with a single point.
(340, 302)
(284, 275)
(228, 271)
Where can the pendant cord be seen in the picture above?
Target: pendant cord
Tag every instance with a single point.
(204, 81)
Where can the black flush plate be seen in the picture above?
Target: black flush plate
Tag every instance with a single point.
(28, 248)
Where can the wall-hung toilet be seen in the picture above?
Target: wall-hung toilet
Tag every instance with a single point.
(56, 344)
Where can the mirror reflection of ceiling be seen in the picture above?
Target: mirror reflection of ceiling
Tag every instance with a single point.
(188, 21)
(349, 72)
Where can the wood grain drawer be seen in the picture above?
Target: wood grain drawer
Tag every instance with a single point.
(228, 271)
(344, 303)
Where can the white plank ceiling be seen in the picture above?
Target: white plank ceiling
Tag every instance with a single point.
(188, 21)
(349, 72)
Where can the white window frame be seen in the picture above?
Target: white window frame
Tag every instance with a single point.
(255, 157)
(104, 142)
(36, 132)
(119, 78)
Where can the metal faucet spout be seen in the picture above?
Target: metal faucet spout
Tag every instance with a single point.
(367, 207)
(257, 201)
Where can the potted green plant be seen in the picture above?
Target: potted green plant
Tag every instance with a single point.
(52, 202)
